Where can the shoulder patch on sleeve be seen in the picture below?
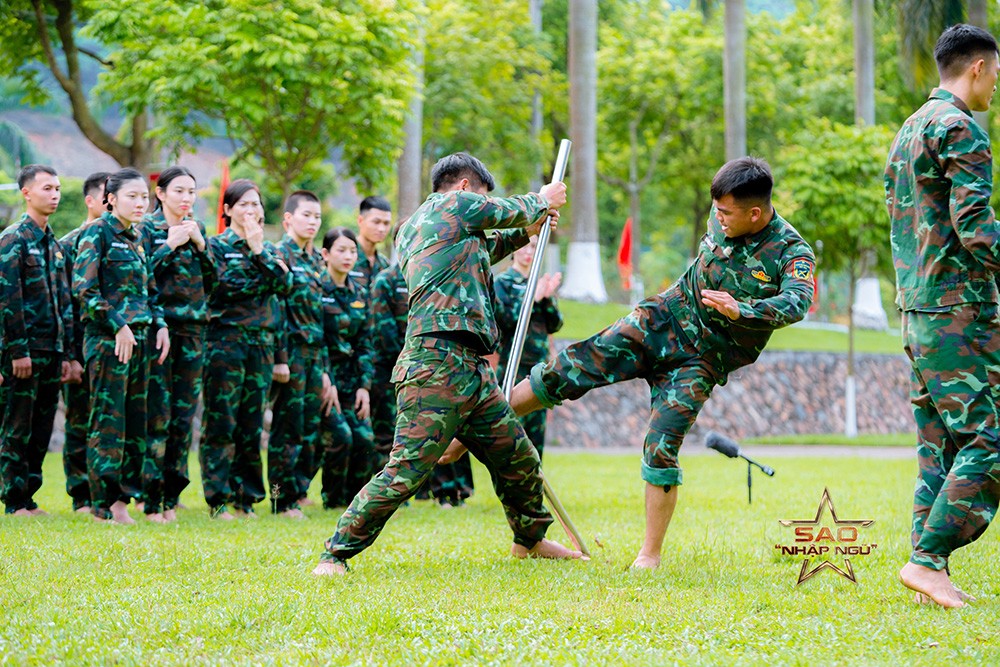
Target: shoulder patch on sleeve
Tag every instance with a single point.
(802, 269)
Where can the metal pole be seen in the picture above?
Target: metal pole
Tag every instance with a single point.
(517, 345)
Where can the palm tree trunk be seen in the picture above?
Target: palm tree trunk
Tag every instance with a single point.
(735, 79)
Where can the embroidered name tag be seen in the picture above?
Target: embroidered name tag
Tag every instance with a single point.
(402, 290)
(298, 269)
(328, 299)
(119, 244)
(159, 241)
(516, 286)
(357, 274)
(34, 251)
(233, 255)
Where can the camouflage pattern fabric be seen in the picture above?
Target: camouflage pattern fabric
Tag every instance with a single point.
(683, 348)
(946, 250)
(244, 315)
(36, 322)
(366, 270)
(185, 276)
(545, 321)
(347, 462)
(452, 483)
(445, 390)
(76, 397)
(390, 304)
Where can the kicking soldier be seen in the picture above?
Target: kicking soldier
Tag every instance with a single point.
(946, 250)
(348, 441)
(445, 387)
(185, 277)
(374, 223)
(545, 321)
(36, 324)
(240, 362)
(76, 392)
(752, 275)
(300, 387)
(112, 276)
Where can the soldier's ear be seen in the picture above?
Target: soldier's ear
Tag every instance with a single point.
(755, 213)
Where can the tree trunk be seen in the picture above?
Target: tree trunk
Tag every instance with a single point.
(635, 212)
(864, 62)
(583, 270)
(850, 393)
(410, 166)
(735, 79)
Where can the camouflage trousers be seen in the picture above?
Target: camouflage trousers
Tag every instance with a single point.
(118, 428)
(648, 343)
(76, 398)
(452, 482)
(955, 361)
(443, 391)
(237, 377)
(534, 423)
(383, 403)
(349, 455)
(174, 389)
(28, 411)
(293, 446)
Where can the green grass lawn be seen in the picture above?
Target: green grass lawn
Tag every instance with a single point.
(438, 588)
(581, 320)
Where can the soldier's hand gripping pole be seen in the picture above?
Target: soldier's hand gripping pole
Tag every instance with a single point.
(517, 345)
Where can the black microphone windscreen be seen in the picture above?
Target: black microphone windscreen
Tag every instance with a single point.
(722, 444)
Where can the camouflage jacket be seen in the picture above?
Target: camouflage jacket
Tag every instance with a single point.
(244, 306)
(35, 311)
(348, 334)
(545, 320)
(445, 257)
(365, 271)
(770, 274)
(938, 183)
(390, 304)
(302, 308)
(185, 276)
(69, 245)
(113, 278)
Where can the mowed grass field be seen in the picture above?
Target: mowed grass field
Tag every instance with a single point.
(439, 587)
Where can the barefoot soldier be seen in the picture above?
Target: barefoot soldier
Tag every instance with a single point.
(121, 317)
(946, 250)
(185, 277)
(374, 223)
(445, 387)
(752, 275)
(76, 392)
(36, 324)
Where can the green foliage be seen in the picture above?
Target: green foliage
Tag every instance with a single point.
(16, 149)
(439, 588)
(291, 81)
(830, 187)
(479, 85)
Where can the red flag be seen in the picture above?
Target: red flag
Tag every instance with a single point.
(625, 255)
(223, 184)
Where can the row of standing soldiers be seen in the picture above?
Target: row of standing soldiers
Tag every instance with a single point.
(141, 316)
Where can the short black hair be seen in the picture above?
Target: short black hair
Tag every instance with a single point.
(747, 179)
(297, 197)
(380, 203)
(117, 180)
(336, 233)
(95, 181)
(961, 45)
(452, 168)
(27, 175)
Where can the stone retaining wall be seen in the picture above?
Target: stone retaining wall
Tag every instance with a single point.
(783, 393)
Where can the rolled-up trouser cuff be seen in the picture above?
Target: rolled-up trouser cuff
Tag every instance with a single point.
(661, 476)
(538, 387)
(933, 561)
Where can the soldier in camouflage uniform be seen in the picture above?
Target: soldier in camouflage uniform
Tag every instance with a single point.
(389, 304)
(76, 394)
(946, 250)
(185, 277)
(240, 361)
(545, 321)
(374, 223)
(348, 442)
(445, 387)
(753, 274)
(293, 448)
(36, 324)
(120, 315)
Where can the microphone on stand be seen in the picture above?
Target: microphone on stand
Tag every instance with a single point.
(724, 445)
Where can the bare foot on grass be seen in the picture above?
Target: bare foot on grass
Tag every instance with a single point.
(170, 515)
(38, 511)
(243, 514)
(306, 502)
(83, 510)
(223, 515)
(292, 514)
(327, 569)
(934, 584)
(119, 514)
(643, 562)
(22, 513)
(546, 549)
(157, 517)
